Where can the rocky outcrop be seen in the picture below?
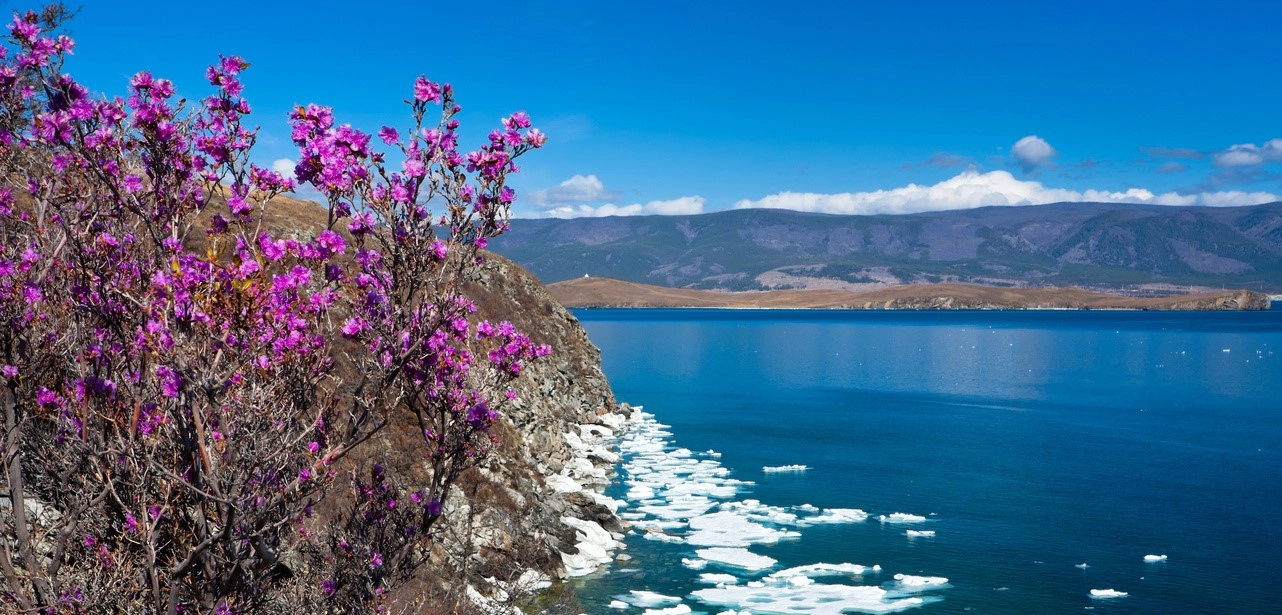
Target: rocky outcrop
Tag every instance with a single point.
(528, 514)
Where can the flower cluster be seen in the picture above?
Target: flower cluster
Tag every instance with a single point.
(169, 353)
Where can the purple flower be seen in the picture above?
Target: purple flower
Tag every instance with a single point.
(352, 327)
(133, 183)
(131, 524)
(90, 541)
(45, 397)
(313, 446)
(331, 241)
(329, 587)
(426, 91)
(361, 223)
(273, 250)
(304, 475)
(388, 135)
(439, 249)
(9, 371)
(170, 382)
(434, 508)
(376, 560)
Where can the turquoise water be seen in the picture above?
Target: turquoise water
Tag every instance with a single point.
(1030, 442)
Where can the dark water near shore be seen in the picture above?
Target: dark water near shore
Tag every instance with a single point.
(1032, 441)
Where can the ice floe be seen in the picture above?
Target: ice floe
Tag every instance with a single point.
(731, 529)
(737, 557)
(1107, 593)
(679, 609)
(1154, 558)
(648, 599)
(784, 596)
(920, 533)
(784, 469)
(694, 563)
(901, 518)
(716, 578)
(914, 582)
(677, 495)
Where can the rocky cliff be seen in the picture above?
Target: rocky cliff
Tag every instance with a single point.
(528, 515)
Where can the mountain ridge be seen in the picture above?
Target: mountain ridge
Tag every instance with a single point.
(1145, 249)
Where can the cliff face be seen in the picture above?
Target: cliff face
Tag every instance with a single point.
(523, 509)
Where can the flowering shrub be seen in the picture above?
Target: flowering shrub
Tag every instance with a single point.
(182, 381)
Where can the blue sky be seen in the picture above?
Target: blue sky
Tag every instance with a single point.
(843, 107)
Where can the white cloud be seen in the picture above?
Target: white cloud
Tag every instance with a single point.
(678, 206)
(285, 167)
(1032, 152)
(577, 189)
(1249, 154)
(972, 189)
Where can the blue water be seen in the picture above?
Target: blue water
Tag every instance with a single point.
(1034, 440)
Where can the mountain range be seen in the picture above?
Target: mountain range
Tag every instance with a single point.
(1141, 249)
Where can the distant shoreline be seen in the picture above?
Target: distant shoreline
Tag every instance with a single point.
(611, 293)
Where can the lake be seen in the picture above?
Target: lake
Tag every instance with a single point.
(985, 461)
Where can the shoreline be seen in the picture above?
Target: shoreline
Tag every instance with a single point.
(611, 293)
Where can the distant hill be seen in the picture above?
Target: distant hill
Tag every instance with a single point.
(1146, 249)
(608, 292)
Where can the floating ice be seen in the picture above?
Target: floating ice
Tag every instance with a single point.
(780, 596)
(1082, 565)
(920, 533)
(618, 604)
(836, 515)
(732, 529)
(648, 599)
(1107, 593)
(714, 578)
(915, 583)
(1154, 558)
(781, 469)
(824, 570)
(737, 557)
(901, 518)
(694, 564)
(679, 609)
(676, 495)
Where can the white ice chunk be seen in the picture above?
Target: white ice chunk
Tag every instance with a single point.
(920, 533)
(618, 604)
(1107, 593)
(914, 582)
(901, 518)
(679, 609)
(783, 469)
(714, 578)
(836, 515)
(562, 484)
(694, 564)
(1154, 558)
(821, 570)
(737, 557)
(814, 599)
(732, 529)
(648, 599)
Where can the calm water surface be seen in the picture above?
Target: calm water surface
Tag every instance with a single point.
(1033, 441)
